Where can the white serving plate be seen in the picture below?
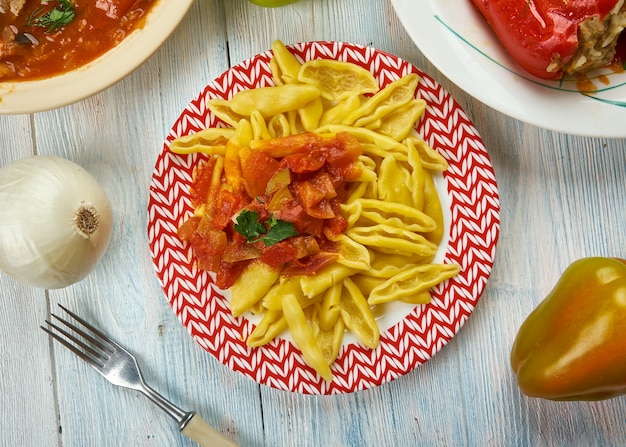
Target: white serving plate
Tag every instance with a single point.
(453, 35)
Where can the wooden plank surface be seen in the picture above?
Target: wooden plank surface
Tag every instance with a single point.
(562, 198)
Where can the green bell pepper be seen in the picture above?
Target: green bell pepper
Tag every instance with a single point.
(573, 345)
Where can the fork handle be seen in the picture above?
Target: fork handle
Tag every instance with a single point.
(204, 434)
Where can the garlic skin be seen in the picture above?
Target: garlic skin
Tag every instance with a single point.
(55, 221)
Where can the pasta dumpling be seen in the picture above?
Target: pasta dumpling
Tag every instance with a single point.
(387, 218)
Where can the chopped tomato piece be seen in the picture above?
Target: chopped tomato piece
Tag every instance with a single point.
(227, 205)
(278, 254)
(188, 228)
(213, 242)
(335, 227)
(324, 183)
(259, 205)
(303, 163)
(305, 246)
(343, 155)
(205, 226)
(228, 273)
(351, 145)
(303, 223)
(310, 225)
(308, 194)
(241, 251)
(202, 183)
(257, 169)
(209, 248)
(321, 210)
(208, 262)
(312, 265)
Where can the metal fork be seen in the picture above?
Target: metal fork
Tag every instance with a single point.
(120, 367)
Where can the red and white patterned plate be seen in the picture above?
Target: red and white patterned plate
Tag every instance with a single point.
(410, 335)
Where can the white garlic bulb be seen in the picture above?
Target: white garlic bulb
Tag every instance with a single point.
(55, 221)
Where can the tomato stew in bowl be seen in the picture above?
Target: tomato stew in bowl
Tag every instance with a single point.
(51, 37)
(137, 36)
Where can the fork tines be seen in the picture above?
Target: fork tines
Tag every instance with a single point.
(94, 351)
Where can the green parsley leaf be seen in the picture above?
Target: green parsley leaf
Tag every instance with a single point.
(248, 225)
(269, 232)
(278, 230)
(56, 18)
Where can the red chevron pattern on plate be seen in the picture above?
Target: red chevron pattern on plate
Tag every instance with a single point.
(417, 333)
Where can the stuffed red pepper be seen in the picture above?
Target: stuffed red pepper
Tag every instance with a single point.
(549, 38)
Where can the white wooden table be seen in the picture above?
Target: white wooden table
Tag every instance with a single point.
(562, 198)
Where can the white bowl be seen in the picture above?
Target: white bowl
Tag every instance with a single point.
(78, 84)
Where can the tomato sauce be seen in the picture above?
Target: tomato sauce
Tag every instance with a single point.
(29, 52)
(300, 180)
